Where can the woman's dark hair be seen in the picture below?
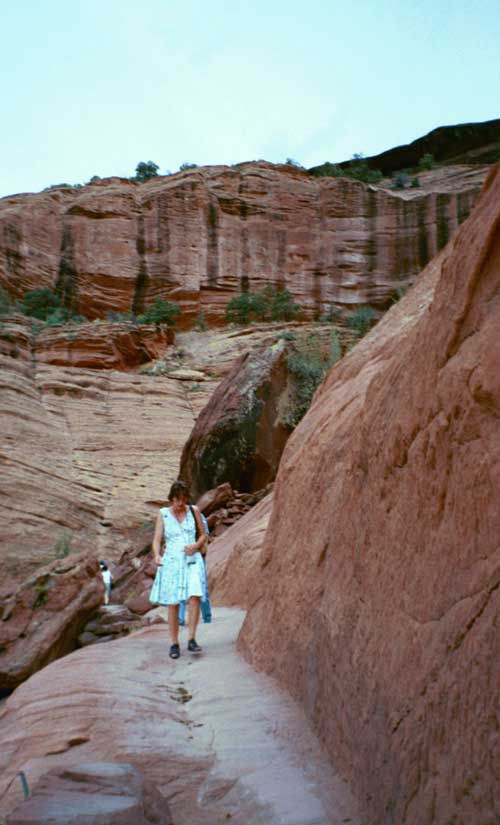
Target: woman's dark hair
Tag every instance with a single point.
(178, 489)
(103, 565)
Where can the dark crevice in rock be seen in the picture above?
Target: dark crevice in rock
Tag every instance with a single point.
(213, 245)
(67, 277)
(142, 279)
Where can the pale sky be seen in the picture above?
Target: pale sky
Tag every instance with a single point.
(92, 87)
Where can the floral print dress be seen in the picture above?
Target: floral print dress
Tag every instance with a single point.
(180, 576)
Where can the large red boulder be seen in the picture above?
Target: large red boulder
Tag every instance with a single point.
(377, 601)
(239, 436)
(41, 621)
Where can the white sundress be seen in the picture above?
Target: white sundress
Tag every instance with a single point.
(176, 580)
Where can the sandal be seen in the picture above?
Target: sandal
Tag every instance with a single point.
(175, 651)
(193, 646)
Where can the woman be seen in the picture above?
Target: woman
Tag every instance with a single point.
(181, 572)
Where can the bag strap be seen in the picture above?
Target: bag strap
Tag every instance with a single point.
(196, 524)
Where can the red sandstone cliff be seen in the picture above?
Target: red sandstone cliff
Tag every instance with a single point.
(199, 236)
(377, 596)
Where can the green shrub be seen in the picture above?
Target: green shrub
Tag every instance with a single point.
(358, 169)
(184, 166)
(415, 183)
(307, 367)
(328, 170)
(269, 304)
(400, 180)
(161, 312)
(146, 170)
(245, 308)
(292, 162)
(5, 305)
(361, 320)
(426, 161)
(57, 318)
(40, 303)
(280, 304)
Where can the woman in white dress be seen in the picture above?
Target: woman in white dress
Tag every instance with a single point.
(181, 573)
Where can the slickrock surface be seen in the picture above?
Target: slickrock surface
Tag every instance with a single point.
(42, 620)
(234, 560)
(93, 793)
(220, 742)
(199, 236)
(378, 599)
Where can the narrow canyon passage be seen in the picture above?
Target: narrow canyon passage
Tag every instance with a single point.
(221, 741)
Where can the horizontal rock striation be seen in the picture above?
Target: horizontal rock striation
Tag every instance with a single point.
(84, 453)
(377, 601)
(201, 236)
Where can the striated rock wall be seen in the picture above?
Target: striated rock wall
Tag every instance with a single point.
(201, 236)
(84, 453)
(377, 602)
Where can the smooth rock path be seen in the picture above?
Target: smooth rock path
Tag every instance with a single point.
(222, 742)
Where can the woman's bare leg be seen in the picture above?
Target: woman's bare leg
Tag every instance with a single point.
(194, 615)
(173, 623)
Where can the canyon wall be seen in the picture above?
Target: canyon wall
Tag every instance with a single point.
(200, 236)
(84, 453)
(377, 599)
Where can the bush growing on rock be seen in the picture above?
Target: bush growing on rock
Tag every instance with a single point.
(245, 308)
(161, 312)
(426, 161)
(40, 303)
(45, 305)
(308, 366)
(146, 170)
(269, 304)
(361, 320)
(400, 180)
(358, 169)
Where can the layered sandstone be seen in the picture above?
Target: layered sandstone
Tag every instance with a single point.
(200, 236)
(377, 598)
(87, 454)
(42, 620)
(84, 453)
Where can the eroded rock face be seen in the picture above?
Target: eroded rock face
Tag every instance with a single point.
(234, 561)
(84, 454)
(239, 436)
(94, 793)
(378, 595)
(116, 346)
(41, 621)
(200, 236)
